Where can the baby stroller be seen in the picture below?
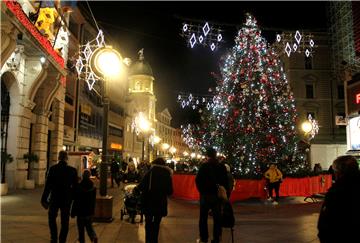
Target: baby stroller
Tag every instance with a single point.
(132, 204)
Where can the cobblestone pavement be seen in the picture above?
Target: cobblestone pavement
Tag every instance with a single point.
(292, 221)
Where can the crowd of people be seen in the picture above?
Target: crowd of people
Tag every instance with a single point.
(62, 192)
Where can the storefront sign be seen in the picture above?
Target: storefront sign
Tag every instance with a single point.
(116, 146)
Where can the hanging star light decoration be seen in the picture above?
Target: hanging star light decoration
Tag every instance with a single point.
(195, 101)
(315, 127)
(83, 61)
(206, 35)
(289, 43)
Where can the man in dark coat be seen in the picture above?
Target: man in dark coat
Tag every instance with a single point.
(156, 186)
(340, 212)
(211, 174)
(84, 207)
(58, 194)
(114, 169)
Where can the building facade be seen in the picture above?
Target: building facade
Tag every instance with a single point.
(319, 94)
(33, 71)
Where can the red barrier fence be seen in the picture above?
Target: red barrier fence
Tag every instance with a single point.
(185, 188)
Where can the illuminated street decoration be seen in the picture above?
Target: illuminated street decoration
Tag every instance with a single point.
(289, 43)
(314, 127)
(206, 35)
(83, 62)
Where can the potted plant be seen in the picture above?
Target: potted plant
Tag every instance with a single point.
(30, 158)
(5, 158)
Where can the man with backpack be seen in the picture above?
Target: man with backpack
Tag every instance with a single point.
(211, 175)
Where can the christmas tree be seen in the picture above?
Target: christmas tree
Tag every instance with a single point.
(253, 118)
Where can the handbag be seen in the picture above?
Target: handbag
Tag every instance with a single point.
(221, 193)
(227, 215)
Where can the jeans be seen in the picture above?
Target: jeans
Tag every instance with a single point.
(82, 223)
(208, 202)
(52, 214)
(152, 226)
(276, 186)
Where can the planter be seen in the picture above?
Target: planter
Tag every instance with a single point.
(29, 184)
(3, 189)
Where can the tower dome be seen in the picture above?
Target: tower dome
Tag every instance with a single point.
(141, 67)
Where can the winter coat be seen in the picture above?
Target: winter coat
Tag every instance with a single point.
(273, 175)
(156, 186)
(114, 168)
(340, 213)
(60, 184)
(211, 174)
(85, 198)
(131, 176)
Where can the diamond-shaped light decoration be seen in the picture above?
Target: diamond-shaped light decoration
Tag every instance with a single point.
(185, 27)
(197, 102)
(203, 100)
(278, 38)
(201, 38)
(190, 97)
(297, 37)
(100, 39)
(179, 97)
(183, 104)
(312, 43)
(208, 106)
(295, 47)
(206, 29)
(219, 37)
(288, 49)
(90, 80)
(192, 40)
(79, 66)
(193, 107)
(212, 46)
(87, 51)
(307, 53)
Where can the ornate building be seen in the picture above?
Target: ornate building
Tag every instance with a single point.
(33, 71)
(140, 98)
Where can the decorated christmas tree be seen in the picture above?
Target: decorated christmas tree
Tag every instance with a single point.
(253, 118)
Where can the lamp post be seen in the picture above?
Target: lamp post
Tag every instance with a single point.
(143, 126)
(310, 128)
(106, 63)
(154, 141)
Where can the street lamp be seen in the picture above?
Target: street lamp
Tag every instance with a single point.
(154, 141)
(143, 126)
(310, 128)
(106, 63)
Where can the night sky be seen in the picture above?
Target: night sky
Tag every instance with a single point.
(156, 27)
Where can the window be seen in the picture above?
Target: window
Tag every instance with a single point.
(308, 62)
(341, 92)
(310, 91)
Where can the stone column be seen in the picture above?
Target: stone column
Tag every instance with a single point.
(39, 147)
(57, 135)
(23, 141)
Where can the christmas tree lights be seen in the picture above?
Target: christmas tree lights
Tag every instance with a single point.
(253, 116)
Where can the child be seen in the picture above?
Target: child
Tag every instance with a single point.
(84, 207)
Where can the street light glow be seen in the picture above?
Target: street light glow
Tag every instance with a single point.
(165, 146)
(106, 61)
(172, 150)
(143, 124)
(306, 126)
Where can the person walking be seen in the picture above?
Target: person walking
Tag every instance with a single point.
(231, 181)
(84, 207)
(58, 194)
(155, 187)
(211, 175)
(339, 215)
(274, 177)
(131, 174)
(114, 169)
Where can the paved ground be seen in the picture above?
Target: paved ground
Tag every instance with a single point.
(293, 221)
